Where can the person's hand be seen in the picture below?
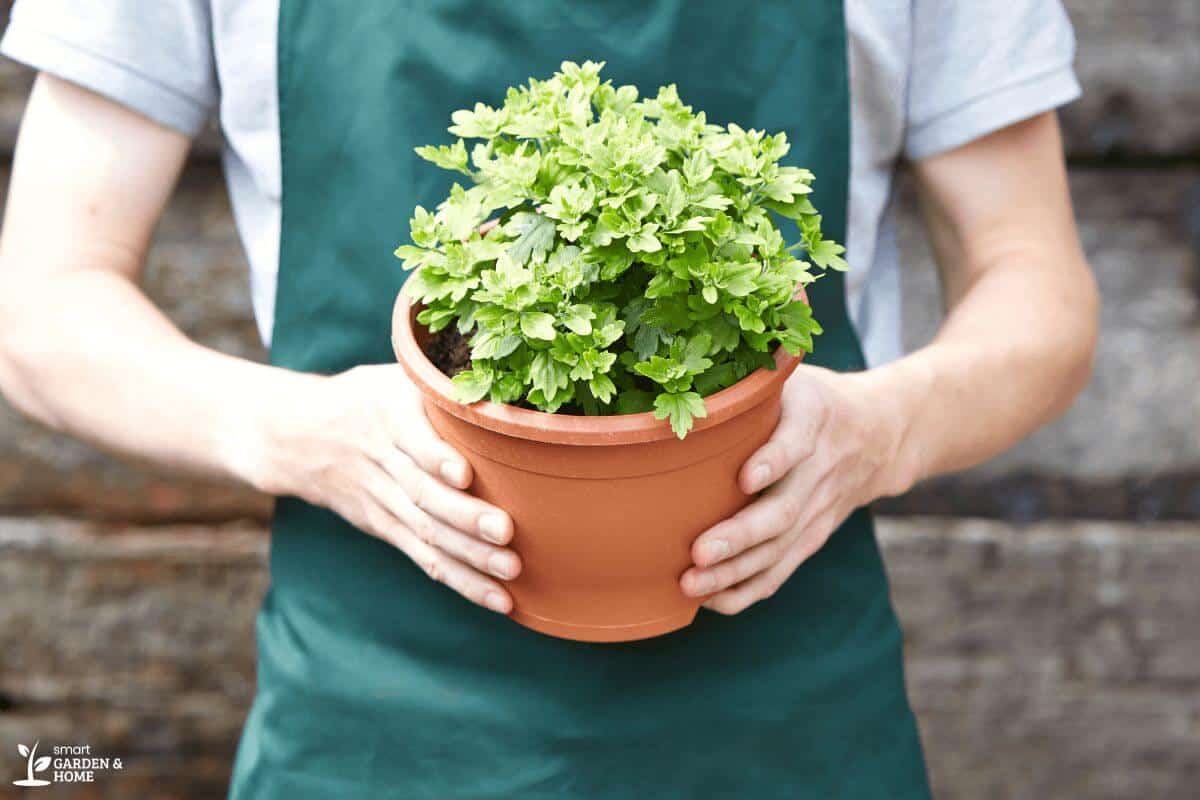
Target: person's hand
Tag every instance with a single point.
(359, 443)
(830, 454)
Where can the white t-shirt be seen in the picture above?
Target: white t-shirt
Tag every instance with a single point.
(925, 76)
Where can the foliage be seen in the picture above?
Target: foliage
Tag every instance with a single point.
(636, 266)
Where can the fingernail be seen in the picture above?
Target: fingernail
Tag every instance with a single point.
(500, 565)
(494, 528)
(453, 472)
(714, 551)
(760, 476)
(702, 584)
(496, 602)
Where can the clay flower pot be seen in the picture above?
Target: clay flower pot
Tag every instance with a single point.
(605, 508)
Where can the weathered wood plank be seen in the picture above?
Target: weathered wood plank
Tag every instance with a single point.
(138, 643)
(1053, 661)
(1138, 63)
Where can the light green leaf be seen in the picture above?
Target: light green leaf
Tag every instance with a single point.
(423, 228)
(660, 370)
(579, 318)
(547, 375)
(535, 237)
(827, 254)
(471, 385)
(537, 325)
(452, 157)
(681, 408)
(484, 122)
(602, 388)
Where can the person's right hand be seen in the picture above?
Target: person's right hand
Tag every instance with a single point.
(359, 443)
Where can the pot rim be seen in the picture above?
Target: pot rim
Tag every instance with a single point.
(575, 429)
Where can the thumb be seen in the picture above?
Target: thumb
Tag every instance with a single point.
(793, 440)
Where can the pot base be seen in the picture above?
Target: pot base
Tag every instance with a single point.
(605, 633)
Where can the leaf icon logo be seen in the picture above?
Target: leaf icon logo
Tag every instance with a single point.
(32, 765)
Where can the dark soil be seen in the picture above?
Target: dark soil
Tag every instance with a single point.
(449, 351)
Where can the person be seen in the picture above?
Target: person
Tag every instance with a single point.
(375, 681)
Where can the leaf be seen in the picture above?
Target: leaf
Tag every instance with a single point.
(41, 763)
(489, 344)
(547, 375)
(719, 377)
(23, 750)
(681, 408)
(690, 225)
(644, 241)
(634, 401)
(602, 388)
(697, 168)
(471, 385)
(796, 314)
(423, 228)
(788, 184)
(671, 313)
(747, 319)
(453, 157)
(660, 370)
(537, 325)
(723, 333)
(827, 255)
(461, 213)
(579, 319)
(801, 206)
(483, 122)
(645, 341)
(535, 237)
(695, 352)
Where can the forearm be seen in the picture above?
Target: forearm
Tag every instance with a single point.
(1011, 355)
(86, 353)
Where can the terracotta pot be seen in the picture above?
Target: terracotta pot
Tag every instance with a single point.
(605, 508)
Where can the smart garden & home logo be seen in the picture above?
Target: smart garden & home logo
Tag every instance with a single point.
(65, 763)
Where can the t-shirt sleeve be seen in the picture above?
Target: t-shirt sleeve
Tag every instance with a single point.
(978, 67)
(153, 57)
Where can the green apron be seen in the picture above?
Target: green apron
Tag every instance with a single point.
(375, 682)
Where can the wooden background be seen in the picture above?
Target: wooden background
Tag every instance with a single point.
(1049, 599)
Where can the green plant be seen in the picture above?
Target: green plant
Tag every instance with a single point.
(636, 265)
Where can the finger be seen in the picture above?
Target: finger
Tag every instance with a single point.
(454, 507)
(411, 432)
(698, 582)
(477, 588)
(484, 557)
(741, 597)
(765, 584)
(793, 441)
(769, 516)
(464, 547)
(439, 565)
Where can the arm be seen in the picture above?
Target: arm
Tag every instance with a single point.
(83, 350)
(1015, 349)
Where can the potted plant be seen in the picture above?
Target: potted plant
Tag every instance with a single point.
(610, 350)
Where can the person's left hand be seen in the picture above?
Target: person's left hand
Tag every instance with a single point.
(832, 452)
